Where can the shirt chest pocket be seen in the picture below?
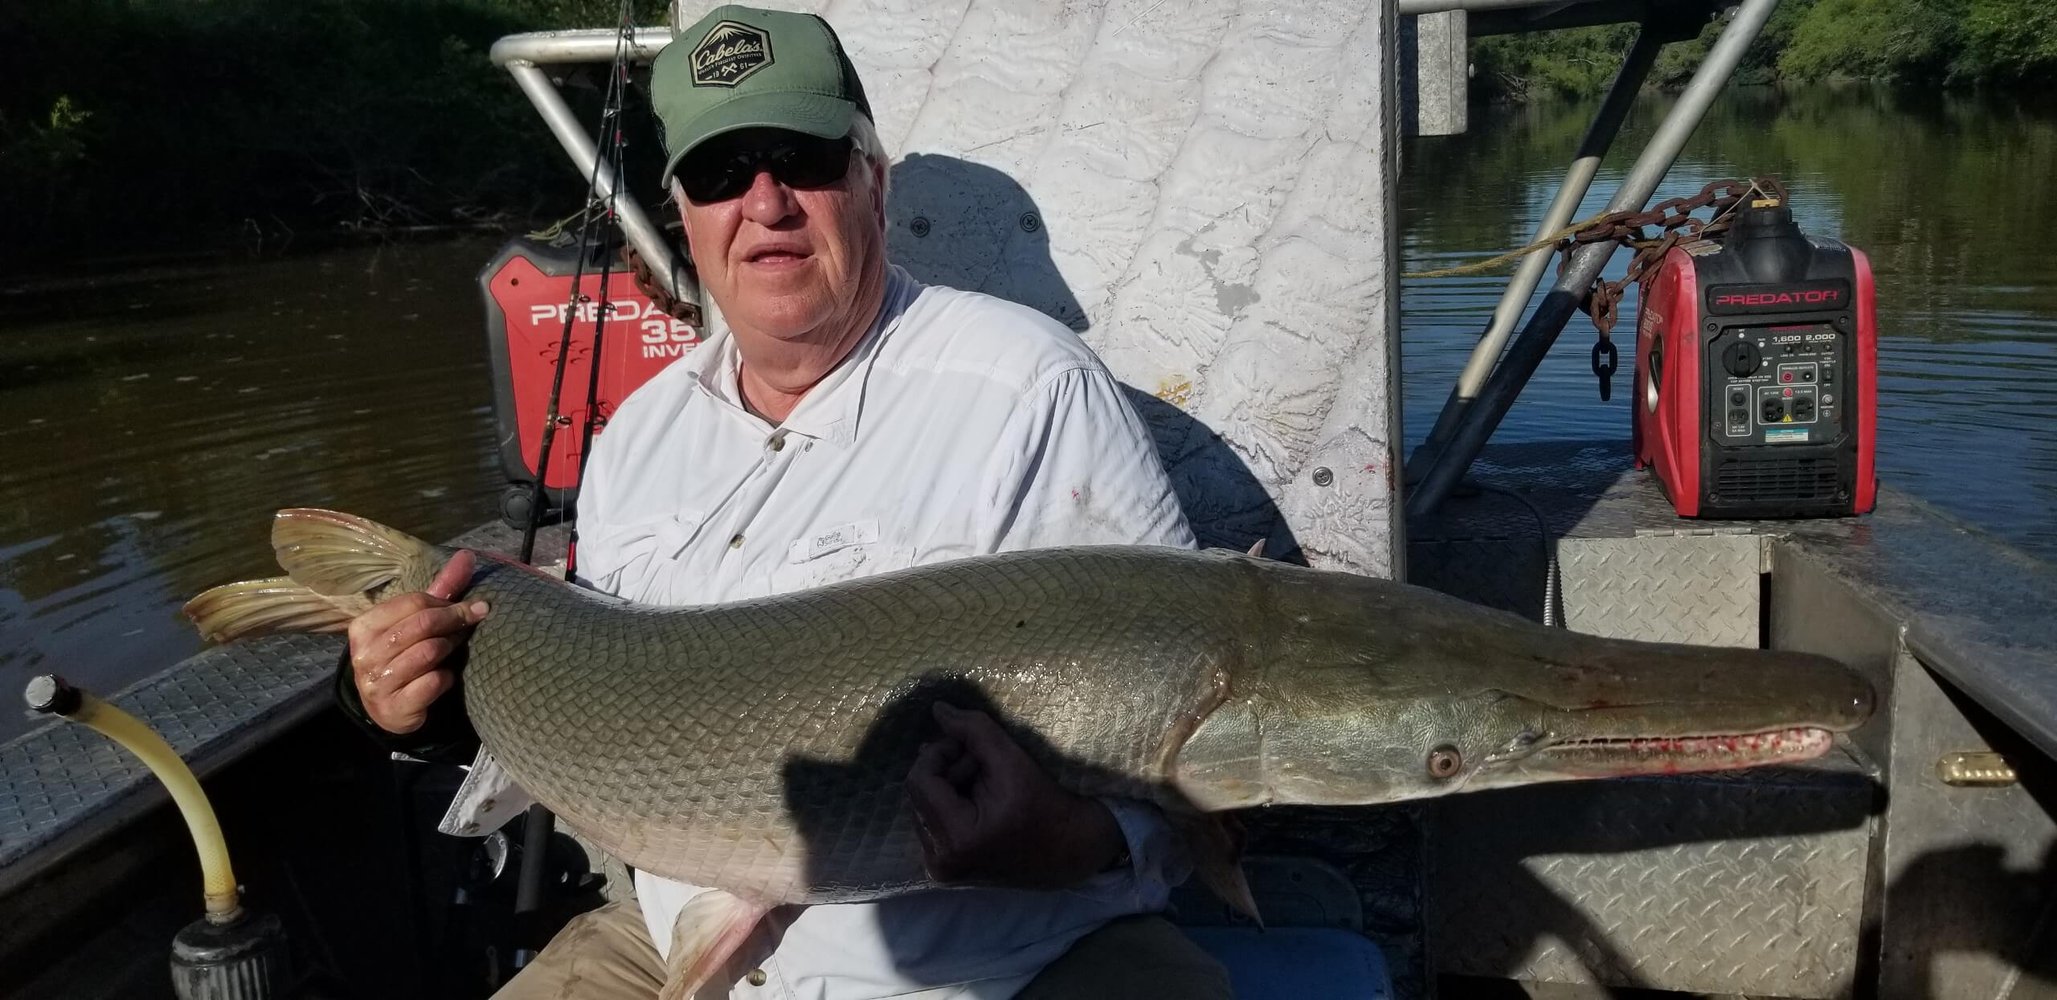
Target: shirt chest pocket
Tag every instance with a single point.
(835, 552)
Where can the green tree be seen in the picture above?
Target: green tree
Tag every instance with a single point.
(1905, 40)
(180, 125)
(2012, 40)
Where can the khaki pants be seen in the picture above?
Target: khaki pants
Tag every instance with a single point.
(607, 955)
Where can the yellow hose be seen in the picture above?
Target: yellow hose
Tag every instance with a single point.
(121, 727)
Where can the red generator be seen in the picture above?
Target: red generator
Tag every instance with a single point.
(528, 291)
(1757, 373)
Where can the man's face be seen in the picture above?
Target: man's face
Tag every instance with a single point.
(783, 260)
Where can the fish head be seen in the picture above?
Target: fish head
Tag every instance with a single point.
(1263, 749)
(1417, 708)
(1628, 709)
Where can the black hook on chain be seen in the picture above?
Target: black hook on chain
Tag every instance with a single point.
(1605, 360)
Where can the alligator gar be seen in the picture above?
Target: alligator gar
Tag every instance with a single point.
(760, 747)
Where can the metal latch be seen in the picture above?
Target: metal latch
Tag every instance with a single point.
(1975, 769)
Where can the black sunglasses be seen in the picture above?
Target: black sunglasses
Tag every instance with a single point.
(720, 171)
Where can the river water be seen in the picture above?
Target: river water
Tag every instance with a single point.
(155, 415)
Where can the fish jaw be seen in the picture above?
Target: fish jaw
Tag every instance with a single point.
(1658, 755)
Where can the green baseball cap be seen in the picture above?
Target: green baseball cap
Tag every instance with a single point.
(741, 67)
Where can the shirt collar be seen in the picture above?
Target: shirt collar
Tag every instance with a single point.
(832, 409)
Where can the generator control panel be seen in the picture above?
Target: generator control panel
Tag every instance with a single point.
(1777, 384)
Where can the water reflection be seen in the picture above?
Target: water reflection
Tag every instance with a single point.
(1946, 195)
(154, 419)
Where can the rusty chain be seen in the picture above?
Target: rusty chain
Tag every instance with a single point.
(558, 234)
(1675, 223)
(646, 282)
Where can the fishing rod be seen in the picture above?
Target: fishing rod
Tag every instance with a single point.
(612, 156)
(608, 143)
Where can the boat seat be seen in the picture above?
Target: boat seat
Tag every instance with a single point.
(1297, 963)
(1312, 945)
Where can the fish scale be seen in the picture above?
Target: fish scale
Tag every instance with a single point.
(740, 724)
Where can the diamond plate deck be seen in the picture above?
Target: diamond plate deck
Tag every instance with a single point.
(1713, 886)
(1700, 589)
(1725, 884)
(1756, 883)
(63, 785)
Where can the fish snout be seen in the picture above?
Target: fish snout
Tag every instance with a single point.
(1851, 706)
(1816, 691)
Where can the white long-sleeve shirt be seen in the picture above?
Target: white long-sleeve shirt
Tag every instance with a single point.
(961, 425)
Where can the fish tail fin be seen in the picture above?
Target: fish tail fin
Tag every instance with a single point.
(269, 607)
(337, 554)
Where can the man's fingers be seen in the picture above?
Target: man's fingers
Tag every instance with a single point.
(927, 761)
(380, 622)
(961, 769)
(947, 814)
(409, 665)
(982, 737)
(944, 822)
(398, 647)
(429, 623)
(406, 709)
(381, 617)
(455, 575)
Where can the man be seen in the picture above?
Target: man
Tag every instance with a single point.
(849, 421)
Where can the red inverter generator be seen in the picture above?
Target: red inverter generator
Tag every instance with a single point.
(1756, 373)
(528, 291)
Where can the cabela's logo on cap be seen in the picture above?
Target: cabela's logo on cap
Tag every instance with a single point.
(730, 52)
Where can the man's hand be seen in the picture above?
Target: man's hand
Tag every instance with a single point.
(398, 646)
(987, 814)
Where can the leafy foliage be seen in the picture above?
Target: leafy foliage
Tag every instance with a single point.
(1965, 43)
(134, 124)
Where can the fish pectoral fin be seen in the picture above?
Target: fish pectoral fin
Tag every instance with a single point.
(1215, 841)
(711, 928)
(276, 606)
(336, 553)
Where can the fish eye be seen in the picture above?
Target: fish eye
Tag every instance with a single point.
(1444, 762)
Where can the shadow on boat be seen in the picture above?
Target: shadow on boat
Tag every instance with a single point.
(965, 225)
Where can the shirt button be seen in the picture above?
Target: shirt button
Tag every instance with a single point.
(756, 977)
(737, 541)
(778, 441)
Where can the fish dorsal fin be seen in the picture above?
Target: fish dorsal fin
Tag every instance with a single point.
(335, 553)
